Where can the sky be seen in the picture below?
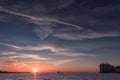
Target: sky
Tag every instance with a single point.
(59, 35)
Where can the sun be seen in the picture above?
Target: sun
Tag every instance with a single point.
(35, 70)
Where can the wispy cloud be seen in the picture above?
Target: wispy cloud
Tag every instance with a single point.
(43, 32)
(64, 3)
(6, 53)
(46, 21)
(74, 54)
(15, 55)
(34, 48)
(45, 26)
(9, 45)
(87, 34)
(53, 49)
(12, 64)
(62, 62)
(30, 56)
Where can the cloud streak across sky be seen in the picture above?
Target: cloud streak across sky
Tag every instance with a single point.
(54, 50)
(46, 24)
(41, 21)
(59, 33)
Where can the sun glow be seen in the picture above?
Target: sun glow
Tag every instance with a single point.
(35, 70)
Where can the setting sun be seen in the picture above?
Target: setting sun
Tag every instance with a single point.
(35, 70)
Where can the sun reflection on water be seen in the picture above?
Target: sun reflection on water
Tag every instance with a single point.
(35, 76)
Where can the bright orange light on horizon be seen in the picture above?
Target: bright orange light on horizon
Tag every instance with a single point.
(35, 70)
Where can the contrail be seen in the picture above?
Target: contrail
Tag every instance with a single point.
(9, 45)
(40, 18)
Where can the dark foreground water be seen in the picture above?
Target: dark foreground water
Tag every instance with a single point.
(58, 76)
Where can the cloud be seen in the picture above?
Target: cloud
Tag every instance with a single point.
(31, 56)
(43, 32)
(96, 16)
(9, 45)
(58, 63)
(29, 48)
(41, 21)
(62, 62)
(74, 54)
(9, 64)
(33, 48)
(39, 6)
(54, 49)
(15, 55)
(6, 53)
(64, 3)
(87, 34)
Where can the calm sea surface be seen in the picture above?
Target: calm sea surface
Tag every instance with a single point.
(58, 76)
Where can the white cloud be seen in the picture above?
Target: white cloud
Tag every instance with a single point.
(55, 50)
(46, 23)
(65, 61)
(32, 56)
(87, 34)
(9, 45)
(40, 21)
(43, 32)
(22, 55)
(7, 53)
(14, 55)
(74, 54)
(34, 48)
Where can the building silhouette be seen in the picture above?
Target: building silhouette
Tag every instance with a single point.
(108, 68)
(117, 69)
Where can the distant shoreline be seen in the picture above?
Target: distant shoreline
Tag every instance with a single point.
(14, 72)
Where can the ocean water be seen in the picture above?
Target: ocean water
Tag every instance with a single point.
(59, 76)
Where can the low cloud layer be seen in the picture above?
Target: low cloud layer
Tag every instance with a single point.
(12, 64)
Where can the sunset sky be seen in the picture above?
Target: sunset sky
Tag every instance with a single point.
(59, 35)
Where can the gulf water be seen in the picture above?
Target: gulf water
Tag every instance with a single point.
(59, 76)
